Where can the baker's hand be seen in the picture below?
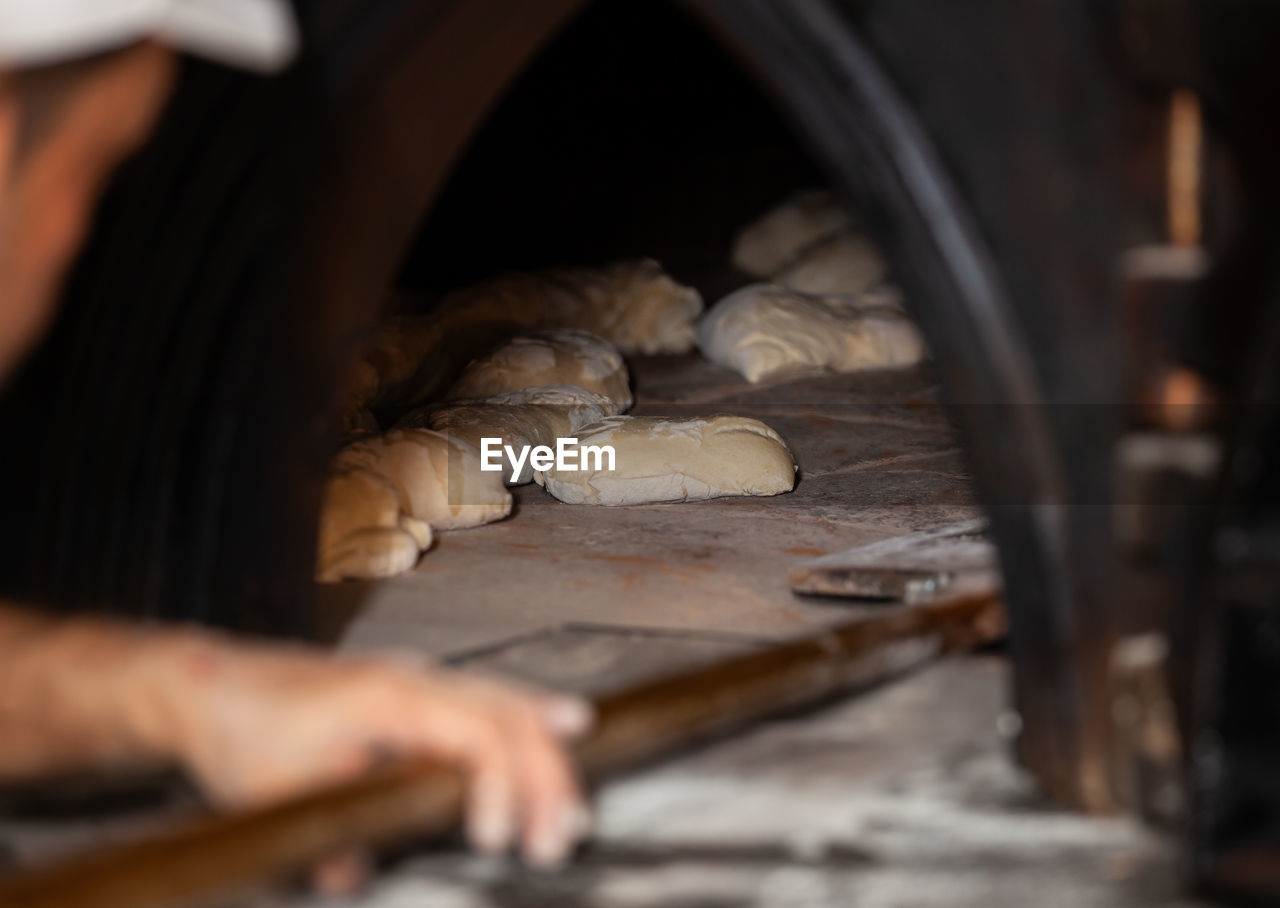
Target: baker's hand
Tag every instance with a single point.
(261, 723)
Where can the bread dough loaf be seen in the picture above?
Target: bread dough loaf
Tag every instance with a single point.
(537, 416)
(659, 459)
(634, 305)
(356, 420)
(363, 533)
(762, 330)
(765, 246)
(574, 358)
(845, 263)
(393, 358)
(638, 307)
(437, 479)
(387, 492)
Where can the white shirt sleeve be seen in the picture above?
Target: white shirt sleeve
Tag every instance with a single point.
(254, 34)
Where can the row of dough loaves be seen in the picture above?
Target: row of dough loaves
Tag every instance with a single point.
(633, 305)
(389, 492)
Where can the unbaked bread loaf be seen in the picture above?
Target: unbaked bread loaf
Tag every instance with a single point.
(394, 356)
(364, 535)
(356, 420)
(537, 416)
(550, 358)
(634, 305)
(762, 330)
(437, 479)
(844, 263)
(658, 459)
(768, 244)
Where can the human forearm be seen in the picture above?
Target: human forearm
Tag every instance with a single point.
(82, 692)
(253, 723)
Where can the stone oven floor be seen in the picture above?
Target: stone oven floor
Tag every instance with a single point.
(904, 796)
(876, 460)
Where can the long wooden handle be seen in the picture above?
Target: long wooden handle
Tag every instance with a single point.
(219, 855)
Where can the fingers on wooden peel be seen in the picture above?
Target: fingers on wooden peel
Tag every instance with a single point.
(658, 459)
(552, 358)
(391, 491)
(768, 244)
(762, 330)
(522, 419)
